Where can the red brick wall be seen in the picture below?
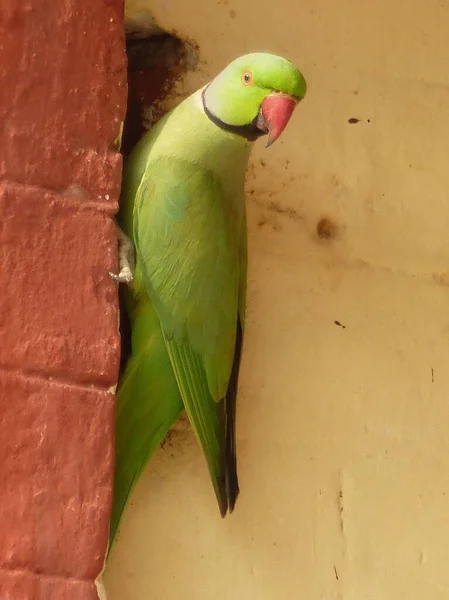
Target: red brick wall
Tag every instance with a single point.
(62, 99)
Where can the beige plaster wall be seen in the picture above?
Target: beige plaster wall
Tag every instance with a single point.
(343, 432)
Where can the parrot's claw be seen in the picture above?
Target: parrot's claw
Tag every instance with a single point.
(125, 275)
(126, 258)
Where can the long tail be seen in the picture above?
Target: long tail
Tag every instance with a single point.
(148, 404)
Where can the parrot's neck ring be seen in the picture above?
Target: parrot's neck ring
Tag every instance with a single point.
(250, 131)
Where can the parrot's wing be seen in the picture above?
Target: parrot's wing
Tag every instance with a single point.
(189, 249)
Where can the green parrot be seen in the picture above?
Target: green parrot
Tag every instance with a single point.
(183, 207)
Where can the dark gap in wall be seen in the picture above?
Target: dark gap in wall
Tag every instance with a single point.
(154, 66)
(125, 331)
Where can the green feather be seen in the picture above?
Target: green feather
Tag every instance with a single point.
(183, 205)
(191, 264)
(142, 419)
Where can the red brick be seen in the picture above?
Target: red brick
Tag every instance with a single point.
(58, 308)
(56, 452)
(63, 82)
(63, 66)
(51, 589)
(16, 586)
(23, 585)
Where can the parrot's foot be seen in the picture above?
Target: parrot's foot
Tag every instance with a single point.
(123, 276)
(126, 258)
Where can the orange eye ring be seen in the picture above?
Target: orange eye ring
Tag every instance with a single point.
(247, 78)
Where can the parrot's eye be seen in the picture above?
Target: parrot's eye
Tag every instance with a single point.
(247, 78)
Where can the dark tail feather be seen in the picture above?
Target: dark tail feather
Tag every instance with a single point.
(232, 483)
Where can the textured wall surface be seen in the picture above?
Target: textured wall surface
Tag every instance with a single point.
(63, 97)
(343, 427)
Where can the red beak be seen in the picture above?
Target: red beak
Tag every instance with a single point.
(276, 111)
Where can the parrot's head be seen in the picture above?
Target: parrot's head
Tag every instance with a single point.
(255, 95)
